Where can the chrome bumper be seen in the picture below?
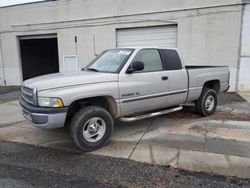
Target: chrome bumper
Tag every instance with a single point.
(47, 118)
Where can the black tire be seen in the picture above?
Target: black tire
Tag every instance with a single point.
(80, 122)
(200, 104)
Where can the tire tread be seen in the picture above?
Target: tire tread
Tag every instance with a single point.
(80, 116)
(199, 104)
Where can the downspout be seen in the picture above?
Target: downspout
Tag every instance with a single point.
(94, 48)
(1, 52)
(239, 50)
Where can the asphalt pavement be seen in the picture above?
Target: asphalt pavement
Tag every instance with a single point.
(27, 166)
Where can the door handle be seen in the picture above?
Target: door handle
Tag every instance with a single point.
(164, 78)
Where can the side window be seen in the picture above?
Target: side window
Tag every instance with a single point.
(151, 59)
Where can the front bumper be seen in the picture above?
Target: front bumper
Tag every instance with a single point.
(47, 118)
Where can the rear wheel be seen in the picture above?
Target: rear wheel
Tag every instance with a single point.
(91, 128)
(207, 103)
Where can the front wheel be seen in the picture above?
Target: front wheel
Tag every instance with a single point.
(207, 102)
(91, 128)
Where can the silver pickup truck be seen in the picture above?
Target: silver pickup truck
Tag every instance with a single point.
(126, 84)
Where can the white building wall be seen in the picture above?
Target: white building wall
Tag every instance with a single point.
(244, 72)
(10, 56)
(208, 31)
(212, 39)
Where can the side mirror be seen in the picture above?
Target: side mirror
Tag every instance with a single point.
(135, 66)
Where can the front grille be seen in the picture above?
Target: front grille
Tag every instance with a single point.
(27, 94)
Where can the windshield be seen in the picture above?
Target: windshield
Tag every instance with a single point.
(110, 61)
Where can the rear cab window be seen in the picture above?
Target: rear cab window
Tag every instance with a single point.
(171, 59)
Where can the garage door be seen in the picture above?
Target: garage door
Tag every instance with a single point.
(164, 36)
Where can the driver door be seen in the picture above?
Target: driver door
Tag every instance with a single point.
(144, 90)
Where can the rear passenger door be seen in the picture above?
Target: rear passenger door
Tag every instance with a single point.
(177, 77)
(147, 89)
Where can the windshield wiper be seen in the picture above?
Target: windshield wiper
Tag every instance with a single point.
(92, 69)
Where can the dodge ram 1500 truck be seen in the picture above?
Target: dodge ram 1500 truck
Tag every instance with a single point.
(127, 84)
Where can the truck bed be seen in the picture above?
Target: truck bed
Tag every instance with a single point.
(198, 75)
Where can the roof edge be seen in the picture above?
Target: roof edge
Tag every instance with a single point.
(28, 3)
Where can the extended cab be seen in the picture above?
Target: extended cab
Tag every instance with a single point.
(127, 84)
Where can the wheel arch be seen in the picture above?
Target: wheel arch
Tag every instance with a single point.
(212, 84)
(107, 102)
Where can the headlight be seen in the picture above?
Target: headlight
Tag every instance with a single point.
(49, 102)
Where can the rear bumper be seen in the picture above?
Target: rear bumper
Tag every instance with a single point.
(47, 118)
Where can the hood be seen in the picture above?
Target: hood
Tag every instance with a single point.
(51, 81)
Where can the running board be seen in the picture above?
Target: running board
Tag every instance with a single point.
(153, 114)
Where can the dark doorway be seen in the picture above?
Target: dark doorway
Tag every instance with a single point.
(39, 56)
